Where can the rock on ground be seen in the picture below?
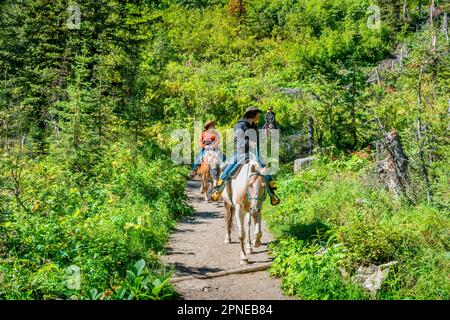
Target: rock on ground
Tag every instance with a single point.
(301, 163)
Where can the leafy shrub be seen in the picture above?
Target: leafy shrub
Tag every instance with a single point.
(138, 285)
(310, 274)
(331, 203)
(100, 226)
(373, 243)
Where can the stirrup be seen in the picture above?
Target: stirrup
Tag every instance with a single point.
(215, 192)
(215, 195)
(274, 200)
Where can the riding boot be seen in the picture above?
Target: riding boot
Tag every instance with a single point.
(274, 200)
(219, 183)
(272, 185)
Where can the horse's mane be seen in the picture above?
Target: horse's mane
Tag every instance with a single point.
(211, 153)
(256, 164)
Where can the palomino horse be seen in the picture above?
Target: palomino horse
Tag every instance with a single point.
(209, 171)
(243, 197)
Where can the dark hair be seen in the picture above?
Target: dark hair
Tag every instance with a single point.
(252, 114)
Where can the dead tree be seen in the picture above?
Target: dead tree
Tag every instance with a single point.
(405, 13)
(421, 139)
(445, 26)
(433, 36)
(392, 166)
(310, 135)
(432, 9)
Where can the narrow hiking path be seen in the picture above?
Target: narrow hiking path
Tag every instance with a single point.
(196, 248)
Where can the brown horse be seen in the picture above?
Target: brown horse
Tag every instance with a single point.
(209, 171)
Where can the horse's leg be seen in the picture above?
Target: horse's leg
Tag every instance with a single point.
(258, 233)
(240, 214)
(228, 222)
(248, 222)
(202, 180)
(206, 184)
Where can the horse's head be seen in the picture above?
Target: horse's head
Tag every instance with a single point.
(256, 190)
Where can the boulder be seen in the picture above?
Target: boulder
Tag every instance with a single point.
(371, 278)
(302, 163)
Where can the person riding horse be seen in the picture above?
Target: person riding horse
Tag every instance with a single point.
(208, 139)
(270, 120)
(246, 140)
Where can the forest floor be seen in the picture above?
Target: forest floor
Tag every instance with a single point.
(196, 248)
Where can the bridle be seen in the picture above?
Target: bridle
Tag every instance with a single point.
(263, 197)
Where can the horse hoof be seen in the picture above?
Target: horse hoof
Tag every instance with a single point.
(257, 243)
(227, 241)
(248, 250)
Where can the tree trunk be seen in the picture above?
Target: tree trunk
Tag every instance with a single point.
(446, 26)
(405, 12)
(378, 76)
(432, 7)
(310, 135)
(421, 139)
(353, 114)
(392, 170)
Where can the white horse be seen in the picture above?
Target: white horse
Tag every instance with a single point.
(243, 197)
(209, 171)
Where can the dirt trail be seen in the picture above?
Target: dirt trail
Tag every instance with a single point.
(197, 248)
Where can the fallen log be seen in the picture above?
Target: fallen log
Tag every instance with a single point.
(255, 268)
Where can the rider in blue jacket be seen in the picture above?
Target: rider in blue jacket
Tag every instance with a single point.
(246, 141)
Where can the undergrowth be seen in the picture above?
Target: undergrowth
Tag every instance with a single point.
(337, 208)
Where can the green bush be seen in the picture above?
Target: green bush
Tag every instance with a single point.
(310, 274)
(138, 285)
(102, 225)
(332, 203)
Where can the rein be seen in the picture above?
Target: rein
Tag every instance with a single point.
(266, 190)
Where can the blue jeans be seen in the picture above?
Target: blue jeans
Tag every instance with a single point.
(198, 159)
(233, 166)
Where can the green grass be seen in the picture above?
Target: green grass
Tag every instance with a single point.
(337, 203)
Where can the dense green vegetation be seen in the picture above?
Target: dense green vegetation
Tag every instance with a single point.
(86, 115)
(336, 206)
(103, 225)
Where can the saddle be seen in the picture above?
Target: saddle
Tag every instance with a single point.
(233, 176)
(240, 164)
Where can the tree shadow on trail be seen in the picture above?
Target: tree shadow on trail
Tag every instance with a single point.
(200, 216)
(183, 270)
